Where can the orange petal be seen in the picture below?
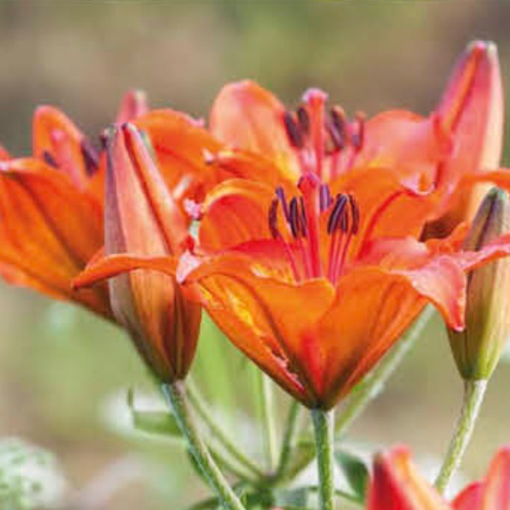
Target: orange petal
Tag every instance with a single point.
(58, 142)
(371, 310)
(114, 265)
(39, 245)
(496, 494)
(470, 498)
(246, 116)
(472, 107)
(435, 275)
(181, 147)
(472, 110)
(258, 313)
(4, 155)
(387, 208)
(397, 485)
(235, 211)
(408, 143)
(133, 105)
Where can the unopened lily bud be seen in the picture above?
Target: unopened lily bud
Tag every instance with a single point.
(478, 347)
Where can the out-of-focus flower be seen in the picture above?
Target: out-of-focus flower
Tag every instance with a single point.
(51, 211)
(397, 485)
(52, 204)
(30, 477)
(142, 219)
(471, 111)
(478, 346)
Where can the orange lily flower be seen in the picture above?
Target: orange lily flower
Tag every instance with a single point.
(52, 204)
(397, 485)
(51, 208)
(441, 155)
(142, 219)
(342, 252)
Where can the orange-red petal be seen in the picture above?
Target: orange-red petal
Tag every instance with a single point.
(48, 231)
(396, 485)
(246, 116)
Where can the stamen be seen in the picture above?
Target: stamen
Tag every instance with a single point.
(304, 223)
(273, 219)
(293, 130)
(337, 214)
(294, 219)
(358, 137)
(48, 158)
(335, 136)
(325, 198)
(354, 215)
(303, 119)
(339, 121)
(280, 193)
(90, 157)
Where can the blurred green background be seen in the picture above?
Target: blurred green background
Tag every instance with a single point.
(63, 372)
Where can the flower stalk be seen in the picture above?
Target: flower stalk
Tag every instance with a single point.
(474, 392)
(176, 398)
(323, 424)
(289, 438)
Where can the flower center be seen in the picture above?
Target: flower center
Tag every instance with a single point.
(327, 145)
(314, 228)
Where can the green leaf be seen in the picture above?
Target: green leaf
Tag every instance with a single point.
(153, 422)
(355, 472)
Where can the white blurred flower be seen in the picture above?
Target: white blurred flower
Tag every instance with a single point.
(30, 477)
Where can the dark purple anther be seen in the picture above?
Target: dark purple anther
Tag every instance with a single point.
(354, 214)
(325, 198)
(293, 130)
(337, 214)
(303, 120)
(273, 218)
(304, 222)
(48, 158)
(90, 157)
(280, 193)
(294, 219)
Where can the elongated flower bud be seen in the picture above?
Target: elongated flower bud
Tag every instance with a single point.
(141, 219)
(478, 347)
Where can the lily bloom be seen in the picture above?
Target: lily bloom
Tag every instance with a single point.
(142, 219)
(396, 484)
(441, 155)
(316, 281)
(51, 210)
(52, 204)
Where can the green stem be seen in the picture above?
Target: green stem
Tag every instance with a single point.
(267, 416)
(323, 424)
(289, 438)
(206, 416)
(474, 392)
(373, 384)
(176, 397)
